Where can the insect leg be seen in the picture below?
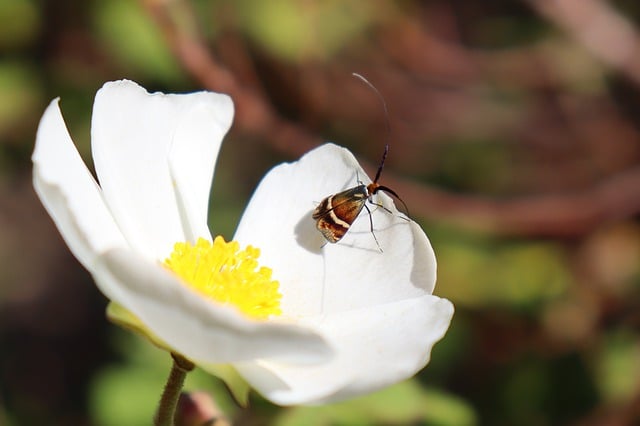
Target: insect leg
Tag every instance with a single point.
(381, 206)
(371, 223)
(401, 216)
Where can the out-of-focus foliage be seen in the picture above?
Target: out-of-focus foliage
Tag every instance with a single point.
(20, 100)
(489, 102)
(616, 367)
(298, 31)
(127, 394)
(21, 24)
(405, 403)
(518, 275)
(130, 37)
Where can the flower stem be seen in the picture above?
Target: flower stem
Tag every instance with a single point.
(169, 400)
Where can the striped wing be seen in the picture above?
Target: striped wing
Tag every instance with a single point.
(335, 214)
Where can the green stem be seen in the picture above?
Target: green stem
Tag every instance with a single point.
(169, 400)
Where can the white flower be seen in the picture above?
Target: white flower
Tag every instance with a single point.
(353, 319)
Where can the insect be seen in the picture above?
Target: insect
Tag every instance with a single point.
(335, 214)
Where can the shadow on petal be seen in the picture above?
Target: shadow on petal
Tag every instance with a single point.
(307, 236)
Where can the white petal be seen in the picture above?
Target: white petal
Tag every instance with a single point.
(134, 135)
(375, 347)
(199, 329)
(69, 192)
(348, 275)
(192, 159)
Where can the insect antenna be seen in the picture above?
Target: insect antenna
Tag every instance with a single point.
(382, 101)
(384, 157)
(375, 186)
(392, 192)
(386, 120)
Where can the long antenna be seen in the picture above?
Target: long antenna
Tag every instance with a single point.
(375, 185)
(382, 101)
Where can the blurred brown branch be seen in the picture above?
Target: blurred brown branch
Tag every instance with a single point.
(571, 212)
(254, 114)
(598, 27)
(557, 215)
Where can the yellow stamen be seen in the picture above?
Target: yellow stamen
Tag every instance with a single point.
(228, 275)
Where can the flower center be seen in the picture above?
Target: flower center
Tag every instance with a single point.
(228, 275)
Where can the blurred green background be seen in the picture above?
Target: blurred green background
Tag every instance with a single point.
(515, 141)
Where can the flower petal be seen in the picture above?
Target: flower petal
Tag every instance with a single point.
(134, 134)
(317, 277)
(375, 347)
(192, 159)
(69, 192)
(197, 328)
